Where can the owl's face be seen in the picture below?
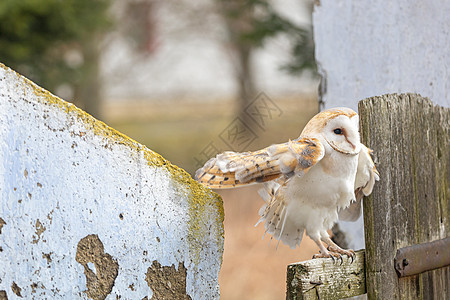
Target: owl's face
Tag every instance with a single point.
(341, 133)
(338, 127)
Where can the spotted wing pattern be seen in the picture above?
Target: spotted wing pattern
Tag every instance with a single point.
(280, 161)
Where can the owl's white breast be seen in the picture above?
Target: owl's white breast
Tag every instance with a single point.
(313, 199)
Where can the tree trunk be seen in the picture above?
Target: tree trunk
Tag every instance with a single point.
(88, 90)
(245, 82)
(238, 18)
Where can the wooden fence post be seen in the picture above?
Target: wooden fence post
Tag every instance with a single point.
(324, 279)
(409, 204)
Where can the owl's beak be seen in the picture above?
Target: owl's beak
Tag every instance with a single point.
(353, 146)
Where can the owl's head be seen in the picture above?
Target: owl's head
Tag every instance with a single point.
(338, 127)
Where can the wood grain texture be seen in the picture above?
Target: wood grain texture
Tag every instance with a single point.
(409, 205)
(324, 279)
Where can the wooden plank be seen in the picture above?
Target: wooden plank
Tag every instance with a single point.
(409, 205)
(324, 279)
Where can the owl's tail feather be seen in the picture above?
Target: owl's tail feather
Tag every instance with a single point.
(275, 214)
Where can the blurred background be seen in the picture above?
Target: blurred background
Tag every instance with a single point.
(188, 79)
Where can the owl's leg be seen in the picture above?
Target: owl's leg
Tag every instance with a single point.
(332, 247)
(323, 252)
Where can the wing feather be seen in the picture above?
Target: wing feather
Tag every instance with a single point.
(366, 176)
(275, 215)
(232, 169)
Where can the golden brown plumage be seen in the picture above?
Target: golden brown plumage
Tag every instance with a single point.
(232, 169)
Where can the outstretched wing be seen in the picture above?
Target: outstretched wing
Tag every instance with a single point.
(366, 176)
(232, 169)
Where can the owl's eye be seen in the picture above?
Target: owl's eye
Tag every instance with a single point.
(337, 131)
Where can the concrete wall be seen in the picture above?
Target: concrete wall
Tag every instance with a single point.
(86, 212)
(369, 48)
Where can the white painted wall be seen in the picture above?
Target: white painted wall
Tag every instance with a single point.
(368, 48)
(77, 176)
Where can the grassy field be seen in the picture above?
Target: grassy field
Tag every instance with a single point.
(251, 269)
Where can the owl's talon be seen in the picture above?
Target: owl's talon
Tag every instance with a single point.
(329, 254)
(336, 256)
(324, 255)
(353, 256)
(338, 250)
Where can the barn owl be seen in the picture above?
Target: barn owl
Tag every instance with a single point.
(308, 183)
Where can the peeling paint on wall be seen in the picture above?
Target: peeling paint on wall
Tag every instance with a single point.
(16, 289)
(99, 280)
(2, 222)
(167, 282)
(39, 230)
(85, 210)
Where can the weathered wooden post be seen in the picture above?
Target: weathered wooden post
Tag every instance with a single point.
(409, 205)
(324, 279)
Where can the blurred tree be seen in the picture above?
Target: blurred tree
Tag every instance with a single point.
(56, 44)
(139, 25)
(250, 24)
